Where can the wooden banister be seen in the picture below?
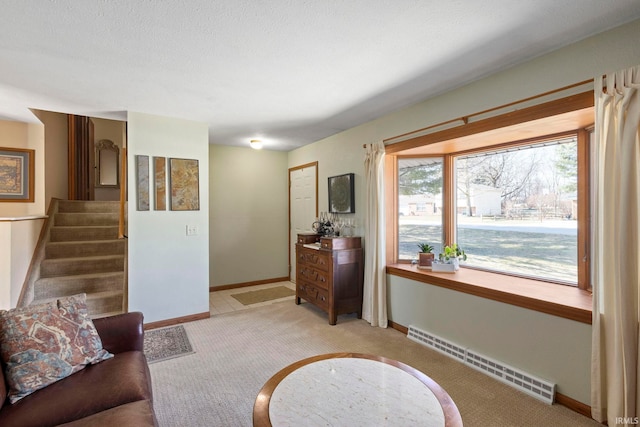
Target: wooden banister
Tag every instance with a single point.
(123, 193)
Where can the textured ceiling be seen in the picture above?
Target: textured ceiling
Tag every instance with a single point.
(287, 71)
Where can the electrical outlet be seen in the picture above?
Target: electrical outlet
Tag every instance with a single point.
(192, 230)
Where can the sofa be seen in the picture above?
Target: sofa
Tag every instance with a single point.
(114, 392)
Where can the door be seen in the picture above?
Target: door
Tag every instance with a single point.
(81, 161)
(303, 206)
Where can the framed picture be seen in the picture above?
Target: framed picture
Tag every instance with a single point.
(184, 184)
(16, 175)
(160, 183)
(142, 182)
(341, 195)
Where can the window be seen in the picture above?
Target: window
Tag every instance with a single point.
(516, 209)
(511, 190)
(419, 205)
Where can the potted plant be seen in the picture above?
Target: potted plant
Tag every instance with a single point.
(449, 259)
(426, 255)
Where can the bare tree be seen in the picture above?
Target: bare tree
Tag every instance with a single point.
(511, 172)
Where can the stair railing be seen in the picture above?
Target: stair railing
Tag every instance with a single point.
(33, 272)
(123, 195)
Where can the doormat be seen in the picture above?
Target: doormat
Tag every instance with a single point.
(166, 343)
(262, 295)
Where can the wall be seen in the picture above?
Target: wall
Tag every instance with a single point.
(248, 215)
(20, 222)
(340, 154)
(557, 349)
(56, 159)
(25, 136)
(543, 345)
(18, 239)
(168, 270)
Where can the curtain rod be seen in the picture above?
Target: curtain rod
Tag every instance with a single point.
(465, 119)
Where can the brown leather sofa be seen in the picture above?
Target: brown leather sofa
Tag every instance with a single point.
(115, 392)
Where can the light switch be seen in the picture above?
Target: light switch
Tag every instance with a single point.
(192, 230)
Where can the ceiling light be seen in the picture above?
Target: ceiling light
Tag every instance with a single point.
(256, 144)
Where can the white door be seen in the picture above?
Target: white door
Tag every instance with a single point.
(303, 208)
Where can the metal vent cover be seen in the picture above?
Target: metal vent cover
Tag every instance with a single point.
(527, 383)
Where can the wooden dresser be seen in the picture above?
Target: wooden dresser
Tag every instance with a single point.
(330, 275)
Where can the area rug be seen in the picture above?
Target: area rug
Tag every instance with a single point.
(262, 295)
(166, 343)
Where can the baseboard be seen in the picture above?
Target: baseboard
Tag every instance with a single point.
(176, 320)
(245, 284)
(398, 327)
(561, 399)
(573, 404)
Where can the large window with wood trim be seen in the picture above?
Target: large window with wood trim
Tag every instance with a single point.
(516, 209)
(516, 201)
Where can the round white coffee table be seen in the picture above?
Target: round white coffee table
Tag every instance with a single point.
(353, 389)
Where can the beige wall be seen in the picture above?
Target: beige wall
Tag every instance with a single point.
(553, 348)
(248, 215)
(56, 156)
(25, 136)
(20, 222)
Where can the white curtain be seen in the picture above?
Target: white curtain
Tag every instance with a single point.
(615, 373)
(374, 304)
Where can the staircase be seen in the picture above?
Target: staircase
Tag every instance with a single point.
(84, 255)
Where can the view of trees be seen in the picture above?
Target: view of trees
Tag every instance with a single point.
(420, 176)
(535, 180)
(521, 187)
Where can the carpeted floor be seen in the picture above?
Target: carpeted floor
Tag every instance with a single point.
(262, 295)
(236, 353)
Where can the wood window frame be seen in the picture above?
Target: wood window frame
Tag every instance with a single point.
(574, 112)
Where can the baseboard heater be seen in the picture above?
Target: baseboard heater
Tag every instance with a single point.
(529, 384)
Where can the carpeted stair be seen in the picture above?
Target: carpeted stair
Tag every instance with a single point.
(84, 254)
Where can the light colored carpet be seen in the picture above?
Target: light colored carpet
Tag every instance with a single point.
(262, 295)
(236, 353)
(166, 343)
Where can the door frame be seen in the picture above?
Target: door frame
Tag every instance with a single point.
(295, 168)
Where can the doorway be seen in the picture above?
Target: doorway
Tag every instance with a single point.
(303, 206)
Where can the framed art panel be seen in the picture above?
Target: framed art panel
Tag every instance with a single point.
(142, 182)
(16, 175)
(160, 183)
(341, 194)
(184, 184)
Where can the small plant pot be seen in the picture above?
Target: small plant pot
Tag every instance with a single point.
(425, 259)
(439, 267)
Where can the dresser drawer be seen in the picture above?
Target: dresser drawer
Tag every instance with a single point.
(313, 258)
(308, 238)
(316, 277)
(313, 294)
(335, 243)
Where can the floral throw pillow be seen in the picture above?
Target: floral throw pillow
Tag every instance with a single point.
(41, 344)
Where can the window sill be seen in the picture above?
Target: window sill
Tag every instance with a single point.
(558, 300)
